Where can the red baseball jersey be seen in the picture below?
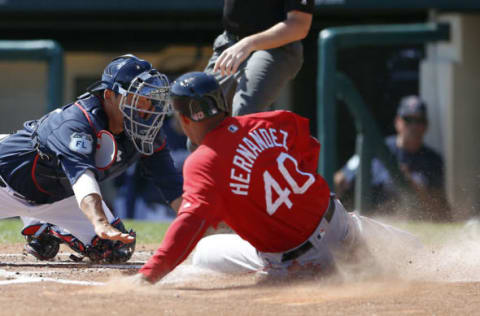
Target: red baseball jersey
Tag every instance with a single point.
(258, 173)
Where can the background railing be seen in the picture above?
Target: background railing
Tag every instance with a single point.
(331, 86)
(40, 50)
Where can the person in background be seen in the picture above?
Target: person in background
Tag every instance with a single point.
(422, 167)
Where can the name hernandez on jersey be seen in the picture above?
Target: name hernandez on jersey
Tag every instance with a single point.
(248, 151)
(258, 174)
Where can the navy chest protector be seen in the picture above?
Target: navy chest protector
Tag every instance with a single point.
(106, 151)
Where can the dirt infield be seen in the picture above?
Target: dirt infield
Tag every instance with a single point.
(441, 280)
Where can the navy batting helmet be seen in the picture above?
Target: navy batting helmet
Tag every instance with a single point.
(198, 96)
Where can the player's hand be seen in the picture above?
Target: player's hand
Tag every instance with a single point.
(107, 231)
(137, 279)
(128, 283)
(231, 58)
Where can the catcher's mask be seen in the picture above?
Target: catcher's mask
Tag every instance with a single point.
(198, 96)
(144, 105)
(144, 102)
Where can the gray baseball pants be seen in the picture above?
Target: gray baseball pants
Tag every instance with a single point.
(261, 77)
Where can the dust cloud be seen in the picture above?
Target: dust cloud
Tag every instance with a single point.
(391, 261)
(456, 258)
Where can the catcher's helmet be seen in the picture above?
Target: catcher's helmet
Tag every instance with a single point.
(137, 81)
(120, 72)
(198, 96)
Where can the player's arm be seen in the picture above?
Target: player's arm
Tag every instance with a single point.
(180, 239)
(198, 211)
(89, 198)
(294, 28)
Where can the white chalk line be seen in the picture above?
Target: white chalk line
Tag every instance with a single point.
(66, 262)
(24, 277)
(14, 278)
(55, 264)
(66, 254)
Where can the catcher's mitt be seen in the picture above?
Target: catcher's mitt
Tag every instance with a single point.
(110, 251)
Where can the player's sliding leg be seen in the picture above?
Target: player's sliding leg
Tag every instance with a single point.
(347, 237)
(226, 253)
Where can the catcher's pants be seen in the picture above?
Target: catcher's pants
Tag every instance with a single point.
(64, 213)
(228, 253)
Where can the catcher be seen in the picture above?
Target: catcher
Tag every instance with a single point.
(258, 174)
(50, 169)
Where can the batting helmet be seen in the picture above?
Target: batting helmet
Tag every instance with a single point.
(198, 96)
(137, 81)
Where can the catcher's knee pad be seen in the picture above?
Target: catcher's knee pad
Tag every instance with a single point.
(40, 242)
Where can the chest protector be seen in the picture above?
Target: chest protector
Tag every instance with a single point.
(112, 154)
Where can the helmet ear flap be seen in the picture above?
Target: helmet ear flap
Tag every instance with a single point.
(203, 108)
(198, 96)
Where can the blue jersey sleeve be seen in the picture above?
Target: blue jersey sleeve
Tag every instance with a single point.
(161, 169)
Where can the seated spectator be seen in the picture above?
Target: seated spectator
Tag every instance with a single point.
(422, 167)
